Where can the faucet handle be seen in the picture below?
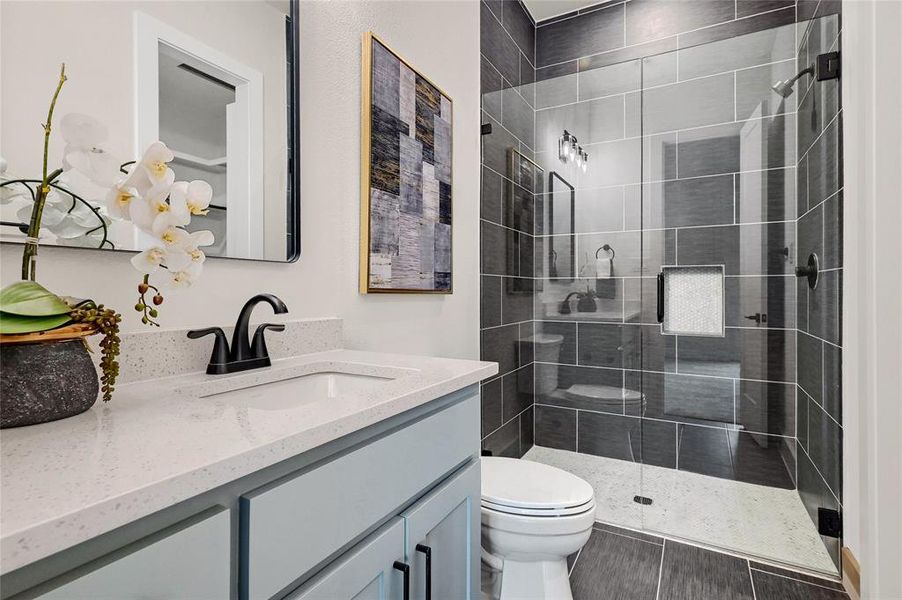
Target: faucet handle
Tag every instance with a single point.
(258, 346)
(220, 356)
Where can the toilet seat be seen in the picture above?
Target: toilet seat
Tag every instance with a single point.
(539, 512)
(527, 488)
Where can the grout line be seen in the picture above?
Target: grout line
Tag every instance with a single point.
(624, 535)
(803, 581)
(661, 569)
(748, 565)
(656, 372)
(819, 136)
(575, 560)
(827, 485)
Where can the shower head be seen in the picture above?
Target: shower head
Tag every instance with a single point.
(784, 88)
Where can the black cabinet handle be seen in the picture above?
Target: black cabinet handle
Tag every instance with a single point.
(660, 297)
(405, 569)
(428, 552)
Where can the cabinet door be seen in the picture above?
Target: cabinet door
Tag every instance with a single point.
(190, 560)
(368, 571)
(441, 539)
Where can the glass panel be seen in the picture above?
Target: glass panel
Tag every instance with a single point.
(720, 442)
(588, 294)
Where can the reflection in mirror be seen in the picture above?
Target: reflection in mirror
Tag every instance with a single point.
(213, 80)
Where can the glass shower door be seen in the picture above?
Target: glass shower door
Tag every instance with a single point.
(718, 342)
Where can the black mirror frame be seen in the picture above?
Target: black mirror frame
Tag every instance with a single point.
(293, 214)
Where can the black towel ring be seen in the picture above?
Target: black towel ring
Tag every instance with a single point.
(606, 248)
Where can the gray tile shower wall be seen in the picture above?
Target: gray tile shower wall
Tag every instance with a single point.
(507, 210)
(819, 231)
(668, 100)
(687, 192)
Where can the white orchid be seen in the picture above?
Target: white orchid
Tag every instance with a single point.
(84, 152)
(144, 193)
(153, 259)
(152, 212)
(119, 199)
(190, 198)
(155, 163)
(183, 278)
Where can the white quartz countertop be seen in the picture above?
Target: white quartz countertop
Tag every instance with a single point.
(160, 442)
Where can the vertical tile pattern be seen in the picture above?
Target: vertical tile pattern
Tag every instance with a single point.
(819, 231)
(507, 212)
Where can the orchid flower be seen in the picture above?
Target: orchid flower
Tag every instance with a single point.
(183, 278)
(83, 153)
(119, 199)
(152, 212)
(154, 162)
(189, 199)
(151, 260)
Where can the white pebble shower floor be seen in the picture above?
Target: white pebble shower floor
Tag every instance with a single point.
(768, 523)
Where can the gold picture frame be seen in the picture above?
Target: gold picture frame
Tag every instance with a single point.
(414, 193)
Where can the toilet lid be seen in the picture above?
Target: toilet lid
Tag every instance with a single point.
(509, 483)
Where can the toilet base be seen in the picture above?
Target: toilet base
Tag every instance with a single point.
(540, 580)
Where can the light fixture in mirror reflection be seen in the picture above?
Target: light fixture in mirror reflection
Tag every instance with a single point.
(172, 73)
(569, 151)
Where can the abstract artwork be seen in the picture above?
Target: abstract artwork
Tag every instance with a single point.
(405, 223)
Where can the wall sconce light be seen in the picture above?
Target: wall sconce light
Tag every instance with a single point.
(564, 144)
(569, 150)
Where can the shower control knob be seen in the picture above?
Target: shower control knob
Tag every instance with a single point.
(758, 318)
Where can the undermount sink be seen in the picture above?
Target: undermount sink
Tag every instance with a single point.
(290, 392)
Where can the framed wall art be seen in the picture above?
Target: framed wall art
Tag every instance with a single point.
(406, 193)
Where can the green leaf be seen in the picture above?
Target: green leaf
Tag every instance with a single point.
(31, 299)
(10, 323)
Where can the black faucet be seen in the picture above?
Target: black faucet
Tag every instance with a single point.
(243, 354)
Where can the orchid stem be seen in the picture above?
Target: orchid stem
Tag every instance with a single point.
(30, 254)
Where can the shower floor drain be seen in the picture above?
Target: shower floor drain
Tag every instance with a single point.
(642, 500)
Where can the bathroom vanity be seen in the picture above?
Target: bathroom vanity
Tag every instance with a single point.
(334, 474)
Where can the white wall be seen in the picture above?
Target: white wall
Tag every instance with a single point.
(872, 311)
(441, 39)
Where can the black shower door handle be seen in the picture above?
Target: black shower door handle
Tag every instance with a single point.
(661, 297)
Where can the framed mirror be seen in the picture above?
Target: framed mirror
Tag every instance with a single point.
(216, 81)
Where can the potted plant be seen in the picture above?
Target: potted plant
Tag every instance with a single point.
(47, 371)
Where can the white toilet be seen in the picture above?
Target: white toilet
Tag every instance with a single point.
(533, 517)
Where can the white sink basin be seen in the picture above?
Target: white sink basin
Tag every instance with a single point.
(290, 392)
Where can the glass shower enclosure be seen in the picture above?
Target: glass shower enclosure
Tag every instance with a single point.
(697, 373)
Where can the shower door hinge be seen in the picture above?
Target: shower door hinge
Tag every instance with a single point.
(486, 129)
(829, 522)
(828, 66)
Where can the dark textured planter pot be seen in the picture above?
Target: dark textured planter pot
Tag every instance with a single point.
(45, 381)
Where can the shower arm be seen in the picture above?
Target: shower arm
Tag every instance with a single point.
(806, 71)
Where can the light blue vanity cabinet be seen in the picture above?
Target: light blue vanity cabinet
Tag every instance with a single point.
(189, 560)
(429, 550)
(441, 539)
(290, 526)
(370, 571)
(355, 518)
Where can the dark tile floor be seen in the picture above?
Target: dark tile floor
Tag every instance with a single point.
(619, 564)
